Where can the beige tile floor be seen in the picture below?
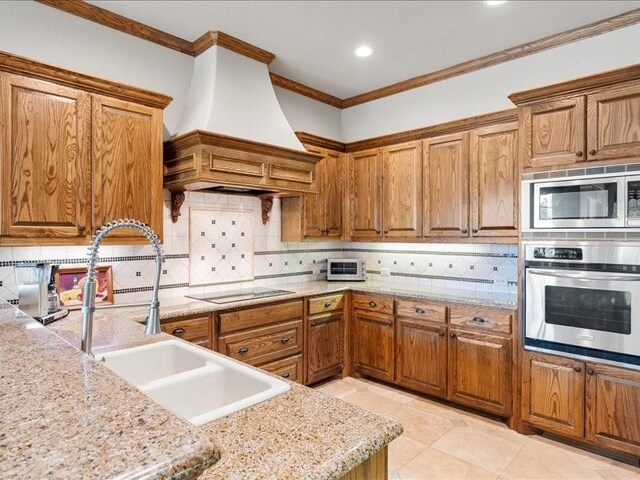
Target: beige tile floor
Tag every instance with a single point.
(442, 442)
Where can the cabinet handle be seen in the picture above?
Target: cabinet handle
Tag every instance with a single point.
(386, 231)
(441, 334)
(284, 340)
(420, 311)
(377, 231)
(177, 331)
(592, 152)
(81, 229)
(243, 350)
(373, 304)
(478, 320)
(577, 369)
(579, 153)
(452, 335)
(590, 371)
(286, 375)
(464, 230)
(327, 304)
(475, 230)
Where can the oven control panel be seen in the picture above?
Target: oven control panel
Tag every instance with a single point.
(558, 253)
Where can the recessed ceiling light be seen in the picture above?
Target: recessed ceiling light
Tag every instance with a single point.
(363, 51)
(495, 3)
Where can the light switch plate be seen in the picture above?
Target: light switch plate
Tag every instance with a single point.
(385, 272)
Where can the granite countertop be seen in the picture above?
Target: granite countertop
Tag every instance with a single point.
(64, 415)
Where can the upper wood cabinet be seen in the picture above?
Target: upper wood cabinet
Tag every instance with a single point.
(76, 153)
(366, 195)
(553, 133)
(446, 185)
(318, 216)
(45, 159)
(402, 190)
(127, 165)
(553, 393)
(494, 181)
(613, 123)
(613, 408)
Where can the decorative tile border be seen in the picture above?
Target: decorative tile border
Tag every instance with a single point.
(395, 252)
(149, 288)
(282, 275)
(74, 261)
(442, 277)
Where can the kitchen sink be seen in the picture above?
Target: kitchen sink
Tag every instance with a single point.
(199, 385)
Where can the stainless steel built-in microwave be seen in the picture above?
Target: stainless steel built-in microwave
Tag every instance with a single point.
(582, 203)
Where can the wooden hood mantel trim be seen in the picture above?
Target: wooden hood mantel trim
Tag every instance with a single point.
(23, 66)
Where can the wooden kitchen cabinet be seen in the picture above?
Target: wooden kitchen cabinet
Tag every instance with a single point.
(446, 186)
(373, 344)
(127, 165)
(480, 371)
(402, 190)
(494, 181)
(421, 356)
(313, 208)
(196, 330)
(613, 123)
(553, 133)
(366, 195)
(325, 345)
(44, 160)
(553, 393)
(290, 368)
(613, 408)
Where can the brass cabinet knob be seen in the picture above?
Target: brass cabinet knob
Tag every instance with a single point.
(592, 152)
(579, 153)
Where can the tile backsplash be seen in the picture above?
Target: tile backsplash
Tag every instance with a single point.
(228, 247)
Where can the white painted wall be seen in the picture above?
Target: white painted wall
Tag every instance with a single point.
(486, 90)
(50, 36)
(307, 115)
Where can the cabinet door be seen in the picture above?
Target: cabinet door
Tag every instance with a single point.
(402, 190)
(480, 371)
(334, 189)
(553, 133)
(613, 408)
(613, 124)
(494, 181)
(553, 393)
(44, 159)
(366, 192)
(446, 172)
(325, 346)
(421, 356)
(313, 204)
(127, 165)
(373, 344)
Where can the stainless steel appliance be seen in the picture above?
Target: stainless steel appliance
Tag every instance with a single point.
(36, 292)
(238, 295)
(583, 299)
(587, 202)
(346, 269)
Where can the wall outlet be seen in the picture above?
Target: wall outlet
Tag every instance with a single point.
(316, 269)
(385, 272)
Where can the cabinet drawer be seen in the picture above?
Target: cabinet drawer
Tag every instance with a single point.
(325, 303)
(373, 303)
(264, 344)
(289, 368)
(259, 316)
(196, 330)
(487, 319)
(432, 312)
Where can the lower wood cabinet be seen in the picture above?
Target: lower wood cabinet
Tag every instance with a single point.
(195, 329)
(373, 344)
(421, 356)
(553, 393)
(480, 371)
(325, 346)
(290, 368)
(613, 408)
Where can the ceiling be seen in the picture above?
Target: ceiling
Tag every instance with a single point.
(314, 40)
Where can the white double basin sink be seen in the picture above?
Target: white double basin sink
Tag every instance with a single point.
(196, 384)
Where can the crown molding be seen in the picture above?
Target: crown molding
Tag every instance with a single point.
(431, 131)
(301, 89)
(580, 33)
(221, 39)
(321, 142)
(109, 19)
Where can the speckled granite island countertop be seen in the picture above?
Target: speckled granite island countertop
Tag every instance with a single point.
(64, 415)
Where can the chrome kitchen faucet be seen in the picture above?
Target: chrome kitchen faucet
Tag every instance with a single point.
(152, 324)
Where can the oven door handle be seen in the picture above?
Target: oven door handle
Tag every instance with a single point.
(584, 276)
